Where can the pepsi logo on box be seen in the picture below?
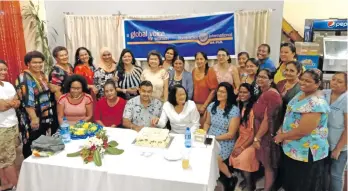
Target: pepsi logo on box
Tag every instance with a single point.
(338, 24)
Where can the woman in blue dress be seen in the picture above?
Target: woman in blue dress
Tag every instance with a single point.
(223, 122)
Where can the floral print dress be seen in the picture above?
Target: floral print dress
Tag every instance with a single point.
(316, 142)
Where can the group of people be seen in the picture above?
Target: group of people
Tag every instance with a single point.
(277, 118)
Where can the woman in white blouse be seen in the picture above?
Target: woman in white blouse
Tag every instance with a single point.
(180, 112)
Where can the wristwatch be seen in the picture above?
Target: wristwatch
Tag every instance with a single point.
(256, 139)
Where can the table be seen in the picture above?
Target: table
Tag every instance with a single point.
(126, 172)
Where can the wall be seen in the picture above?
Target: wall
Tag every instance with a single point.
(295, 12)
(55, 12)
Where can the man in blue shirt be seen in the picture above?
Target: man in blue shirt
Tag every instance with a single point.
(263, 52)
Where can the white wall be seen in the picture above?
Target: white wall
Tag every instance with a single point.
(295, 12)
(55, 9)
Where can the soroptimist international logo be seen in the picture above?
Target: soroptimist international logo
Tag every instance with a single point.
(203, 37)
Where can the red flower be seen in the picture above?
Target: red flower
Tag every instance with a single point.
(93, 147)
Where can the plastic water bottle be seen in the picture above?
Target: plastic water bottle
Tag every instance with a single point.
(188, 138)
(64, 131)
(186, 154)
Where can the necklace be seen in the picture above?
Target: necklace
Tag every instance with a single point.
(76, 97)
(178, 77)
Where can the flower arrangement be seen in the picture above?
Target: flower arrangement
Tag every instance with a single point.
(95, 148)
(82, 130)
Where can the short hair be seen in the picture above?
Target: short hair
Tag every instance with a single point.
(58, 49)
(316, 74)
(146, 83)
(155, 53)
(33, 54)
(298, 66)
(76, 78)
(3, 62)
(344, 74)
(172, 94)
(266, 45)
(243, 53)
(110, 82)
(227, 53)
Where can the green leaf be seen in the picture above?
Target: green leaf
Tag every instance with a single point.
(97, 158)
(31, 3)
(114, 151)
(112, 144)
(75, 154)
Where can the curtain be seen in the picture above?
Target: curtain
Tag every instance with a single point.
(12, 44)
(92, 32)
(251, 30)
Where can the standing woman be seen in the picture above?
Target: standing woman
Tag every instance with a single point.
(337, 124)
(226, 72)
(57, 77)
(8, 130)
(128, 74)
(304, 136)
(60, 71)
(156, 75)
(243, 156)
(223, 122)
(263, 53)
(35, 111)
(287, 54)
(252, 67)
(106, 71)
(84, 67)
(180, 76)
(267, 122)
(169, 54)
(204, 84)
(242, 59)
(290, 86)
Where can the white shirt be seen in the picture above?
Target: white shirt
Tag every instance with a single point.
(189, 117)
(8, 118)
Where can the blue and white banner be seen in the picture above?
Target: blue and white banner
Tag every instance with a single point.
(188, 35)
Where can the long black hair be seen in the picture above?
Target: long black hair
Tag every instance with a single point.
(248, 105)
(231, 99)
(78, 61)
(206, 61)
(120, 66)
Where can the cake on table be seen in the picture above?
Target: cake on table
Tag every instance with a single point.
(153, 137)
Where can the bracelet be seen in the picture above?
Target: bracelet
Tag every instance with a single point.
(242, 147)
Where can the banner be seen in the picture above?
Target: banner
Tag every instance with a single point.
(188, 35)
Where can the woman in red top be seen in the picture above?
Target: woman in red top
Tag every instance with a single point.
(84, 67)
(109, 109)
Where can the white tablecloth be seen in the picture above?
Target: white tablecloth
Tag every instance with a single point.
(129, 171)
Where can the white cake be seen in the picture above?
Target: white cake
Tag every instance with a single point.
(153, 137)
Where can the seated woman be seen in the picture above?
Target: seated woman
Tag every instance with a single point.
(223, 122)
(180, 112)
(108, 111)
(243, 156)
(76, 104)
